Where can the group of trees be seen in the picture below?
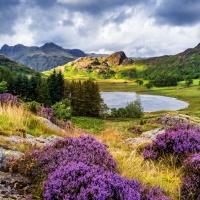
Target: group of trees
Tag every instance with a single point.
(132, 110)
(162, 81)
(84, 96)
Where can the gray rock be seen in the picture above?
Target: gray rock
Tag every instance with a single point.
(6, 155)
(13, 186)
(145, 137)
(51, 125)
(168, 120)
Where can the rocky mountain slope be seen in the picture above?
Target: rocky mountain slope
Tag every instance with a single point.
(14, 66)
(105, 66)
(41, 58)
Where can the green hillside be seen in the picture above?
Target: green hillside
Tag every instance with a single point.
(11, 65)
(185, 64)
(118, 66)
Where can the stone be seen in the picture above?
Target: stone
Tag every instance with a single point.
(168, 120)
(6, 155)
(145, 138)
(13, 186)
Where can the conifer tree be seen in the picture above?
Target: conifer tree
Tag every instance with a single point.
(42, 94)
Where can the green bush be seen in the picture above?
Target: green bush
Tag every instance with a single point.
(62, 110)
(33, 106)
(132, 110)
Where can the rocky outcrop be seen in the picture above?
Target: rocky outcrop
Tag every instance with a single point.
(100, 65)
(41, 58)
(171, 120)
(118, 58)
(145, 137)
(13, 186)
(6, 155)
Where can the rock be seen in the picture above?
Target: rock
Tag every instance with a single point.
(168, 121)
(51, 125)
(145, 137)
(118, 58)
(6, 155)
(13, 186)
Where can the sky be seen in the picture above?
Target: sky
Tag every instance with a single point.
(140, 28)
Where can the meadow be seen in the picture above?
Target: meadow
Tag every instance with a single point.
(131, 164)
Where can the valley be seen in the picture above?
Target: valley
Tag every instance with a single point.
(22, 128)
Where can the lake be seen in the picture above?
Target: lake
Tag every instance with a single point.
(150, 103)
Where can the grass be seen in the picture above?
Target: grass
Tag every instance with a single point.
(16, 121)
(188, 94)
(132, 165)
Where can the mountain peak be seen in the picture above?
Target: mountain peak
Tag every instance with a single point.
(51, 47)
(118, 58)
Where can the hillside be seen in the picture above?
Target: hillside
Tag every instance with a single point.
(112, 66)
(41, 58)
(182, 65)
(14, 66)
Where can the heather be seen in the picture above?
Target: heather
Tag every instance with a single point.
(180, 140)
(81, 168)
(81, 149)
(190, 188)
(80, 181)
(8, 99)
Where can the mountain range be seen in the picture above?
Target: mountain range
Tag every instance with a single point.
(41, 58)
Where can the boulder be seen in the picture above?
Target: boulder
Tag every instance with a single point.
(145, 137)
(6, 155)
(169, 121)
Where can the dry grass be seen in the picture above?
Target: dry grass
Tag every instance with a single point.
(132, 165)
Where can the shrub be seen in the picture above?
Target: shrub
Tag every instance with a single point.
(180, 140)
(190, 188)
(8, 99)
(46, 113)
(80, 181)
(62, 110)
(154, 193)
(134, 109)
(82, 149)
(33, 106)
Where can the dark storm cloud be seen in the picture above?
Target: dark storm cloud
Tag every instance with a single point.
(8, 15)
(118, 18)
(97, 7)
(68, 22)
(45, 3)
(178, 12)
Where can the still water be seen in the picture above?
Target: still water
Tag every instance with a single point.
(150, 103)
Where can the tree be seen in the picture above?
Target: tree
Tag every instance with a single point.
(149, 85)
(139, 82)
(56, 86)
(62, 109)
(3, 87)
(134, 109)
(188, 82)
(42, 94)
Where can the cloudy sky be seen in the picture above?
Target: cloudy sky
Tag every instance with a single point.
(140, 28)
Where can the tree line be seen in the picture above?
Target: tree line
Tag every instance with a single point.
(84, 96)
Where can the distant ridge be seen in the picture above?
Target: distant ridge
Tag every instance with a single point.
(41, 58)
(182, 65)
(14, 66)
